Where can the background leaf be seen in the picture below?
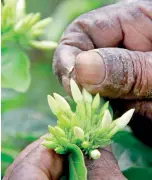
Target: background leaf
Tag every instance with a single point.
(130, 152)
(15, 69)
(138, 173)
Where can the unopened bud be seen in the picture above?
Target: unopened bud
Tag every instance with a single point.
(59, 131)
(48, 137)
(107, 119)
(20, 9)
(85, 144)
(53, 105)
(51, 129)
(78, 132)
(44, 45)
(60, 150)
(49, 144)
(87, 96)
(96, 102)
(62, 103)
(124, 119)
(42, 24)
(104, 107)
(76, 94)
(95, 154)
(34, 19)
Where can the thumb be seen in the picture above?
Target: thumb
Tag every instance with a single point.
(115, 73)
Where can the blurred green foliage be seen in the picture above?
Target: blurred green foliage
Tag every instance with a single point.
(25, 116)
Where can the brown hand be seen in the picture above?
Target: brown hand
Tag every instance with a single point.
(35, 162)
(109, 50)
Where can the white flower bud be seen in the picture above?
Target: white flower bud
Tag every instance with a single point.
(107, 119)
(42, 24)
(76, 94)
(62, 103)
(20, 9)
(53, 105)
(78, 132)
(124, 119)
(96, 102)
(44, 45)
(95, 154)
(87, 96)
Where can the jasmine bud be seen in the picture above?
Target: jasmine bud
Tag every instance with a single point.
(44, 45)
(96, 102)
(78, 132)
(53, 105)
(49, 144)
(62, 103)
(85, 144)
(87, 96)
(95, 154)
(76, 93)
(59, 131)
(124, 119)
(107, 119)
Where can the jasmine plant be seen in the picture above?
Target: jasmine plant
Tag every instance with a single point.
(84, 131)
(20, 32)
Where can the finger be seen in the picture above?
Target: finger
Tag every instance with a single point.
(116, 73)
(36, 162)
(22, 155)
(142, 107)
(105, 167)
(78, 38)
(111, 26)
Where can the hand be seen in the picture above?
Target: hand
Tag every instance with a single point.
(35, 162)
(109, 50)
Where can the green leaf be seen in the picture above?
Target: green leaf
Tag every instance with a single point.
(15, 70)
(77, 169)
(25, 120)
(6, 157)
(138, 173)
(130, 152)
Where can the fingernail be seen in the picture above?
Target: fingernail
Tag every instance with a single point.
(90, 68)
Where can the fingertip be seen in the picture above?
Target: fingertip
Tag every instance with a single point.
(90, 68)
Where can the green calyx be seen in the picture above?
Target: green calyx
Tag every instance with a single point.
(89, 127)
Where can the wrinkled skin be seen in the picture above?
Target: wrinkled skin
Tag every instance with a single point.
(108, 50)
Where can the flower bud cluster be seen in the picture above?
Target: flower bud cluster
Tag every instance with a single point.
(89, 127)
(22, 28)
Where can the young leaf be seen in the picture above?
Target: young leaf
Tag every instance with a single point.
(77, 170)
